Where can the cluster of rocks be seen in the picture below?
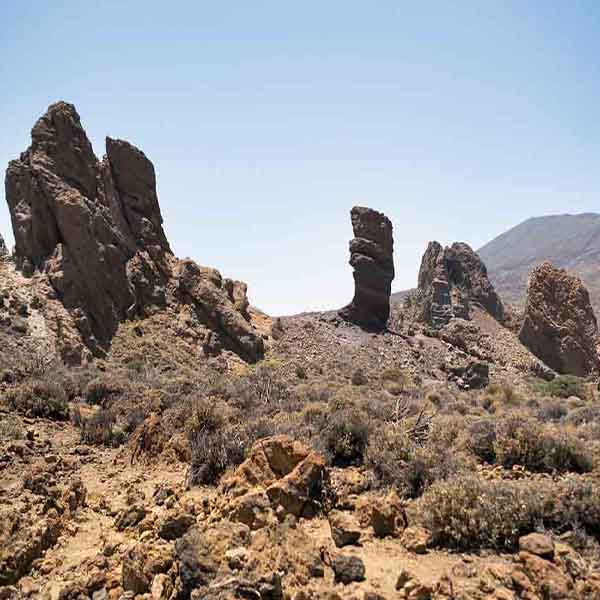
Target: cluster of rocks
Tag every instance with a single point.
(94, 230)
(371, 257)
(559, 325)
(451, 280)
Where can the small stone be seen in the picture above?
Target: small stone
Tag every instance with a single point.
(348, 569)
(173, 526)
(345, 531)
(538, 544)
(416, 539)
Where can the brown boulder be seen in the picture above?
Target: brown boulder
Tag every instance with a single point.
(371, 256)
(560, 327)
(290, 475)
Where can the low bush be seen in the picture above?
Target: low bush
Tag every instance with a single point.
(563, 386)
(481, 439)
(39, 398)
(344, 437)
(410, 463)
(468, 513)
(103, 389)
(521, 440)
(214, 445)
(99, 429)
(11, 429)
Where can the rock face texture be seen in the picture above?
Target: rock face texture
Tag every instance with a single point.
(371, 256)
(94, 228)
(450, 280)
(559, 326)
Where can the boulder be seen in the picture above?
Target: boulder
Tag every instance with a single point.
(451, 279)
(538, 544)
(279, 472)
(348, 569)
(345, 530)
(94, 230)
(560, 327)
(371, 256)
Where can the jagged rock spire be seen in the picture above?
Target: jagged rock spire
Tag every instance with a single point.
(94, 228)
(371, 256)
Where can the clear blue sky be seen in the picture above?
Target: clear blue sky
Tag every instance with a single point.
(268, 121)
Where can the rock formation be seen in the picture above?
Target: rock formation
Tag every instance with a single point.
(559, 325)
(94, 229)
(371, 256)
(450, 280)
(3, 248)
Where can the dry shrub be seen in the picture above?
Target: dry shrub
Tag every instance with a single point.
(39, 398)
(215, 445)
(344, 437)
(99, 429)
(481, 438)
(402, 456)
(563, 386)
(552, 409)
(521, 440)
(104, 389)
(468, 513)
(11, 429)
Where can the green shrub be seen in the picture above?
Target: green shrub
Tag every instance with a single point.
(39, 399)
(11, 429)
(344, 437)
(468, 513)
(521, 440)
(214, 445)
(563, 386)
(480, 439)
(103, 389)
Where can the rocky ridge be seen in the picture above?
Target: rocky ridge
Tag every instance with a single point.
(91, 231)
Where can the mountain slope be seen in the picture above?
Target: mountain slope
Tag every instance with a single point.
(568, 241)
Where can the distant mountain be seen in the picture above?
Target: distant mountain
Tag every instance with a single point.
(568, 241)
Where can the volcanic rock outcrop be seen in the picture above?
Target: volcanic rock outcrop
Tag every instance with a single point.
(559, 325)
(371, 256)
(450, 280)
(94, 229)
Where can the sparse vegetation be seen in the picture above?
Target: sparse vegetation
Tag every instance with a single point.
(39, 398)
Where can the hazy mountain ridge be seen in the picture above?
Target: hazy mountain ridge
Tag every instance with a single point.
(568, 241)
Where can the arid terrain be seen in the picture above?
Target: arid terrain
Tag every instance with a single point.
(161, 439)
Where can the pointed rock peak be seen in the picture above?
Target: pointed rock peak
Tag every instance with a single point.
(559, 326)
(94, 229)
(450, 280)
(372, 258)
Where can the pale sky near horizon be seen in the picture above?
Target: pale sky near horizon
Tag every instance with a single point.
(267, 121)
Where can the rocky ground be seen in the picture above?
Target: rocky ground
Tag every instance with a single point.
(328, 470)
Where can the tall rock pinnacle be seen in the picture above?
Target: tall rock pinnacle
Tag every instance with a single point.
(450, 280)
(371, 256)
(94, 229)
(559, 326)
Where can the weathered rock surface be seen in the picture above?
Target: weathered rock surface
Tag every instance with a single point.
(280, 476)
(371, 256)
(450, 280)
(94, 228)
(559, 325)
